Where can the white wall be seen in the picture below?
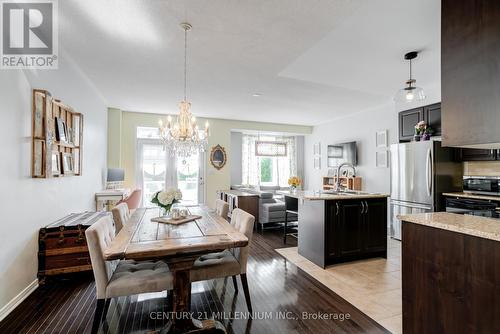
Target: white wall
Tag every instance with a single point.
(28, 204)
(361, 127)
(236, 157)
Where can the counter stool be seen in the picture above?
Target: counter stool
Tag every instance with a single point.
(291, 211)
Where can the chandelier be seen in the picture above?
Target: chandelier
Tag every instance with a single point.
(182, 136)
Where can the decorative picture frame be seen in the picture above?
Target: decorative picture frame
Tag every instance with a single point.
(38, 111)
(317, 162)
(38, 158)
(56, 163)
(68, 166)
(382, 159)
(218, 157)
(381, 139)
(76, 160)
(76, 129)
(61, 132)
(317, 148)
(55, 126)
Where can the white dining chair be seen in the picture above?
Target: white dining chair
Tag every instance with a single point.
(221, 208)
(121, 277)
(231, 262)
(121, 215)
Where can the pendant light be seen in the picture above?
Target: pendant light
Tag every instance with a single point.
(411, 92)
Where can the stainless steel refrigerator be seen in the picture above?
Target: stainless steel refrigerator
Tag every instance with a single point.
(420, 173)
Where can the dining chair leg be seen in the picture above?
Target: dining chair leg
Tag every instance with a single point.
(106, 307)
(99, 308)
(244, 282)
(170, 296)
(235, 283)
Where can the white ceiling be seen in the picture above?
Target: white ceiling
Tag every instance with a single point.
(312, 60)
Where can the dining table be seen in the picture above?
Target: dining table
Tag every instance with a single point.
(179, 246)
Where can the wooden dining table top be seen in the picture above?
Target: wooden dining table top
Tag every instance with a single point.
(143, 239)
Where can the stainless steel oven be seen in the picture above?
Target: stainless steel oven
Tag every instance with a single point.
(486, 185)
(474, 207)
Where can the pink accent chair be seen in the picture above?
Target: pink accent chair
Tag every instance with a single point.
(134, 200)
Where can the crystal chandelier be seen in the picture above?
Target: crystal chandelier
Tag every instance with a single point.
(182, 136)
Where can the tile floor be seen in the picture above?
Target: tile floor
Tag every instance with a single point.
(373, 286)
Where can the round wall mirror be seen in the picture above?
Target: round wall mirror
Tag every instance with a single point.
(218, 157)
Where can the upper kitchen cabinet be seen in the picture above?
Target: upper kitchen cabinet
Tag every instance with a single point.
(407, 121)
(470, 73)
(431, 114)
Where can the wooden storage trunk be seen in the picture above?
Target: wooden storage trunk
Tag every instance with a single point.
(62, 247)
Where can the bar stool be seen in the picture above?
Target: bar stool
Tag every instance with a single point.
(292, 210)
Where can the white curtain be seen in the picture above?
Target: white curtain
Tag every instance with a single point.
(171, 170)
(283, 167)
(250, 163)
(287, 166)
(153, 149)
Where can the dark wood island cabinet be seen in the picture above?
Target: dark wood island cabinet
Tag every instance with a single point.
(340, 228)
(450, 274)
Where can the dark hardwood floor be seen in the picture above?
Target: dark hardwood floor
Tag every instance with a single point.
(276, 285)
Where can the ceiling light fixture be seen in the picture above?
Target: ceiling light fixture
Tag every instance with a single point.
(411, 92)
(182, 137)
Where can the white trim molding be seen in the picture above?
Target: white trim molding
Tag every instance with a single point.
(14, 302)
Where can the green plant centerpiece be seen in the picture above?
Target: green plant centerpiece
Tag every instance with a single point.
(165, 199)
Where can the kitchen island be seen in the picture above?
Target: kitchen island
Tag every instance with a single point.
(450, 273)
(340, 227)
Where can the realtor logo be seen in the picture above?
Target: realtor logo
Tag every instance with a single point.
(29, 34)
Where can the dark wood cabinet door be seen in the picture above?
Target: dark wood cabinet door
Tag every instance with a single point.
(349, 227)
(470, 80)
(407, 121)
(375, 226)
(432, 116)
(332, 215)
(474, 154)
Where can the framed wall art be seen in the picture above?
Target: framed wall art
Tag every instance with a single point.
(56, 163)
(218, 157)
(68, 167)
(317, 162)
(56, 137)
(38, 157)
(381, 139)
(382, 159)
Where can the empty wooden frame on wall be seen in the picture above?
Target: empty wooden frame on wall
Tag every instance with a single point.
(57, 138)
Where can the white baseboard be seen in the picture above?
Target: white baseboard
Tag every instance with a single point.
(14, 302)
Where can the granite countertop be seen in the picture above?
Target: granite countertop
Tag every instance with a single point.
(318, 196)
(482, 227)
(475, 196)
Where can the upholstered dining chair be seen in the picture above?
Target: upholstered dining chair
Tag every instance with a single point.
(121, 215)
(221, 208)
(120, 278)
(231, 262)
(133, 200)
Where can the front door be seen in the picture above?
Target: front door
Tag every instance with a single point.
(157, 170)
(190, 178)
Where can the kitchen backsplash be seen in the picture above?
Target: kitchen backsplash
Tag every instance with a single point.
(482, 168)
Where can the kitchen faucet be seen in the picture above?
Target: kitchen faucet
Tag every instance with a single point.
(345, 164)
